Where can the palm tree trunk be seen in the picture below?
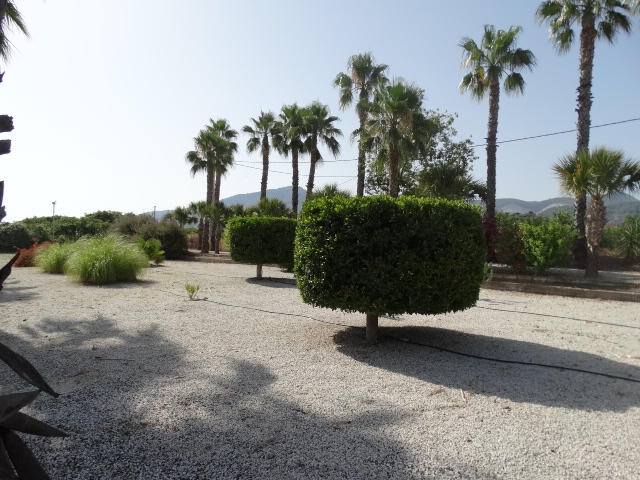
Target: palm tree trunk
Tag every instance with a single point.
(492, 147)
(294, 180)
(265, 167)
(584, 101)
(312, 167)
(216, 200)
(362, 115)
(205, 246)
(595, 222)
(393, 172)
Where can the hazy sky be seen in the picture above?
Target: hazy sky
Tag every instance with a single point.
(107, 97)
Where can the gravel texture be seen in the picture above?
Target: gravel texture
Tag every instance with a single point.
(250, 383)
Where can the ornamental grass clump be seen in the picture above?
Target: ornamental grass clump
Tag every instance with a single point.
(53, 257)
(106, 260)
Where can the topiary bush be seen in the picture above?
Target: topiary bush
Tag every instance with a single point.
(261, 240)
(384, 256)
(106, 260)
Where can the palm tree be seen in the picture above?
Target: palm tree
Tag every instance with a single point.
(496, 58)
(330, 190)
(182, 216)
(450, 181)
(596, 19)
(363, 78)
(10, 18)
(600, 174)
(199, 161)
(199, 210)
(396, 127)
(319, 128)
(262, 129)
(290, 138)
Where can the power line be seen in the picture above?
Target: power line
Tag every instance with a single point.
(558, 133)
(289, 173)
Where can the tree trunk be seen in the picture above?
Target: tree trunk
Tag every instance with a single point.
(393, 172)
(372, 328)
(259, 271)
(265, 167)
(216, 201)
(492, 147)
(205, 246)
(294, 180)
(312, 167)
(595, 222)
(362, 116)
(200, 232)
(588, 36)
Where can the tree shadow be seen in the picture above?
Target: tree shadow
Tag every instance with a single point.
(12, 292)
(519, 383)
(159, 415)
(273, 282)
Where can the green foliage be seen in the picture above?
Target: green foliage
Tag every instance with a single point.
(53, 257)
(261, 240)
(378, 255)
(546, 244)
(192, 290)
(270, 207)
(508, 241)
(14, 235)
(328, 191)
(171, 235)
(626, 238)
(152, 249)
(106, 260)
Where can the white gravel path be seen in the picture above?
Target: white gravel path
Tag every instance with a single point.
(251, 384)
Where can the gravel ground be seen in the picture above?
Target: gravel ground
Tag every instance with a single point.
(251, 383)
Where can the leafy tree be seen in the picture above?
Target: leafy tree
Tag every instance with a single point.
(290, 138)
(601, 174)
(363, 77)
(596, 19)
(397, 126)
(319, 128)
(495, 59)
(263, 128)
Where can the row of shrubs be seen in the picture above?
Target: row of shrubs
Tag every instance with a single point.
(98, 260)
(25, 233)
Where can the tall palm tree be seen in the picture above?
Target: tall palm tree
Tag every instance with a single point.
(450, 181)
(198, 158)
(396, 126)
(221, 159)
(290, 138)
(601, 174)
(319, 128)
(363, 77)
(496, 58)
(596, 19)
(260, 132)
(10, 18)
(198, 209)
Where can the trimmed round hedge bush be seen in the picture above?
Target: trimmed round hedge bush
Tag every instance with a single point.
(384, 256)
(261, 240)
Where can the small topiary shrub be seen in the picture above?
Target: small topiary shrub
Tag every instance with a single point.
(379, 255)
(106, 260)
(261, 240)
(53, 257)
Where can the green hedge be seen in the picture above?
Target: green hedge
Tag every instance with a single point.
(261, 240)
(379, 255)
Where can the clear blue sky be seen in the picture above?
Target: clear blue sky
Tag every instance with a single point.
(107, 97)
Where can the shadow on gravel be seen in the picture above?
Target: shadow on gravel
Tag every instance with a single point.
(140, 406)
(272, 282)
(12, 291)
(519, 383)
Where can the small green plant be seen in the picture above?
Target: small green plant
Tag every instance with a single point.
(192, 290)
(106, 260)
(628, 241)
(52, 258)
(546, 244)
(153, 249)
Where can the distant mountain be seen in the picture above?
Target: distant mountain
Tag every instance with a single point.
(248, 199)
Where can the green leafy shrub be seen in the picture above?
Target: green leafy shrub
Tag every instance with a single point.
(14, 235)
(52, 258)
(173, 238)
(153, 249)
(627, 243)
(171, 235)
(106, 260)
(261, 240)
(546, 244)
(379, 255)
